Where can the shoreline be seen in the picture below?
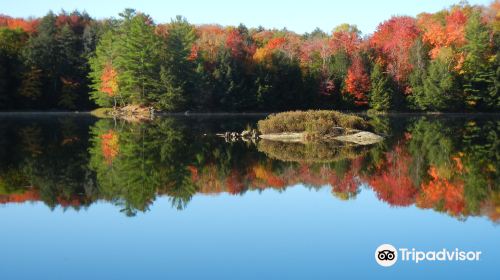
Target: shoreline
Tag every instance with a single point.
(5, 113)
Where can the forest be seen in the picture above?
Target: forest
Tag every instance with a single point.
(446, 61)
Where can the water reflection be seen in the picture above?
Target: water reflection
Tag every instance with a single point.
(448, 164)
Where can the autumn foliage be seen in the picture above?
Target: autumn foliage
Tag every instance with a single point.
(358, 82)
(109, 81)
(443, 61)
(393, 183)
(438, 190)
(392, 42)
(110, 146)
(28, 26)
(441, 34)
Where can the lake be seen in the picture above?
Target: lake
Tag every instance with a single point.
(87, 198)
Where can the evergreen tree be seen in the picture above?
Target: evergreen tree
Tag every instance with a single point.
(440, 90)
(11, 43)
(381, 96)
(5, 99)
(42, 53)
(178, 72)
(70, 68)
(481, 66)
(138, 59)
(420, 62)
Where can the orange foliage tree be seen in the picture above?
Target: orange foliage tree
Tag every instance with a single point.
(445, 31)
(110, 146)
(109, 81)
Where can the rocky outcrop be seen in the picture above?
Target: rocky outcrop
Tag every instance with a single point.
(360, 138)
(353, 136)
(296, 137)
(339, 134)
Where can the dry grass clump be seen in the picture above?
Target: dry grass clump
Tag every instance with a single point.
(314, 123)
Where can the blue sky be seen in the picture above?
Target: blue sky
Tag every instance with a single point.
(298, 16)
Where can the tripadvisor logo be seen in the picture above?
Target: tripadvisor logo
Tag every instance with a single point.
(387, 255)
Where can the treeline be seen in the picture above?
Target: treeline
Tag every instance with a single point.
(446, 61)
(44, 62)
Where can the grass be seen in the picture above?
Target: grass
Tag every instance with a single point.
(313, 123)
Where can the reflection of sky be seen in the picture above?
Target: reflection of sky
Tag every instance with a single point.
(300, 233)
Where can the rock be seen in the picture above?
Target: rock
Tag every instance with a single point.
(285, 136)
(360, 138)
(357, 137)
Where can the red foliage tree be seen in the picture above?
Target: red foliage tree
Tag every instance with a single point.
(345, 38)
(75, 20)
(237, 45)
(358, 82)
(28, 26)
(392, 42)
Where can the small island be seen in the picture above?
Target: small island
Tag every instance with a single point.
(312, 126)
(308, 127)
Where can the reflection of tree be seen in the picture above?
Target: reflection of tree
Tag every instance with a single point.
(442, 194)
(393, 130)
(431, 144)
(56, 167)
(480, 157)
(450, 165)
(392, 181)
(47, 163)
(310, 152)
(133, 162)
(456, 166)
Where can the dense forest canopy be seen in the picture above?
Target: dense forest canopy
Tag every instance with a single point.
(446, 61)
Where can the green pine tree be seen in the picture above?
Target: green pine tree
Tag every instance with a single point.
(177, 70)
(138, 58)
(481, 67)
(420, 61)
(440, 90)
(381, 91)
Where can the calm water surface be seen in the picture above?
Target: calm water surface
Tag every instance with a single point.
(82, 198)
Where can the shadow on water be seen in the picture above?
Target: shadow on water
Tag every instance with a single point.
(446, 163)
